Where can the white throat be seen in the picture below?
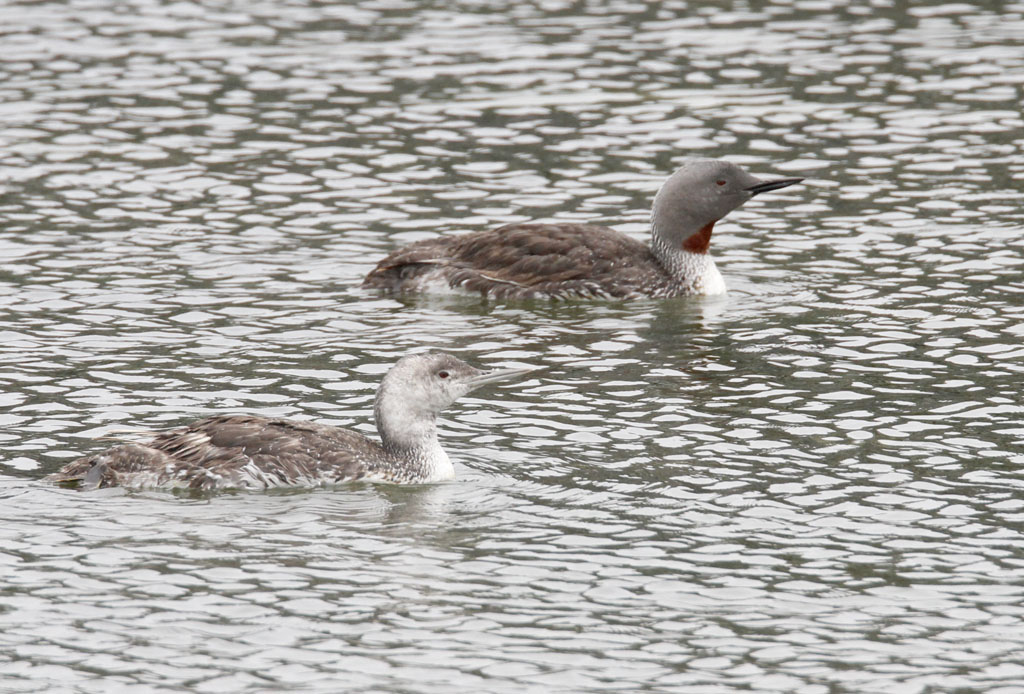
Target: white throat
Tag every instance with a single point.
(411, 438)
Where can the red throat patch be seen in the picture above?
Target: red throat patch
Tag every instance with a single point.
(699, 242)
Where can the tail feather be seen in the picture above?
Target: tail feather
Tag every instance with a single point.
(94, 476)
(84, 471)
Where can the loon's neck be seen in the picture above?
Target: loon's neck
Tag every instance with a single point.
(421, 464)
(689, 265)
(410, 442)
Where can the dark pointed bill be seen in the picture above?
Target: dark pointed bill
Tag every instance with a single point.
(498, 375)
(765, 186)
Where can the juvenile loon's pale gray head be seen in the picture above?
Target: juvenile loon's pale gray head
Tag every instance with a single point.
(417, 389)
(697, 195)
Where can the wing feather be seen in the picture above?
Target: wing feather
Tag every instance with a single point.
(230, 451)
(524, 260)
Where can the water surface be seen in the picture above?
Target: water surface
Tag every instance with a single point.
(810, 485)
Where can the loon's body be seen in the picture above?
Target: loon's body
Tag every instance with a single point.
(249, 452)
(566, 260)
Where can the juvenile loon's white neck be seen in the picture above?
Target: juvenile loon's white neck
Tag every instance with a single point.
(693, 273)
(410, 440)
(425, 462)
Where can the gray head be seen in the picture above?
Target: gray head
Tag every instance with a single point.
(418, 387)
(697, 195)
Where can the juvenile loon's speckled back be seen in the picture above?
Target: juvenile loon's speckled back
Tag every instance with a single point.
(248, 452)
(562, 261)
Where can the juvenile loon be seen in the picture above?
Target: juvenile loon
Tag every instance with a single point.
(565, 260)
(247, 452)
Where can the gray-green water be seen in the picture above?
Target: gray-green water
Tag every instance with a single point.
(811, 485)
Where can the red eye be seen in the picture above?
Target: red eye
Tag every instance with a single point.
(442, 374)
(720, 182)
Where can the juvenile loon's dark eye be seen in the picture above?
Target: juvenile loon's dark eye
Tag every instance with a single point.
(720, 182)
(442, 374)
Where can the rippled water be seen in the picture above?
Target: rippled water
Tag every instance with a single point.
(811, 485)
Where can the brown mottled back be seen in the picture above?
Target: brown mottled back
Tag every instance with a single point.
(230, 451)
(528, 260)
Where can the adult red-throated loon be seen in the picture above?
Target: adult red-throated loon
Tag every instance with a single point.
(247, 452)
(566, 260)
